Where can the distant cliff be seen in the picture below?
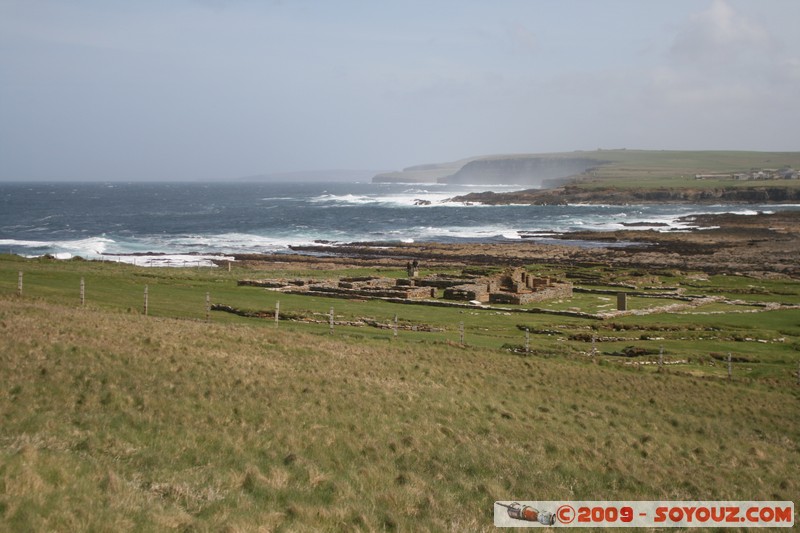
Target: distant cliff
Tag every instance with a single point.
(615, 196)
(646, 169)
(525, 170)
(431, 173)
(528, 171)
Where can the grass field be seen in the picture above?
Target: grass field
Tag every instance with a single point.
(112, 420)
(644, 169)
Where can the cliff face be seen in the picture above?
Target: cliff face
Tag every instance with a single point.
(528, 171)
(577, 195)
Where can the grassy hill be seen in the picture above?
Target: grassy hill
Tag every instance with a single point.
(112, 420)
(619, 168)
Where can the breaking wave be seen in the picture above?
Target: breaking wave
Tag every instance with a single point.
(192, 222)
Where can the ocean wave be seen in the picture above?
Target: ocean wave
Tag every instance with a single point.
(418, 195)
(92, 246)
(270, 219)
(408, 199)
(167, 260)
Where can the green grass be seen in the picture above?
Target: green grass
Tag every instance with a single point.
(181, 293)
(116, 421)
(676, 169)
(627, 169)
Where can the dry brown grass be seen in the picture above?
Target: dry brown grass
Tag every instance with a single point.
(123, 422)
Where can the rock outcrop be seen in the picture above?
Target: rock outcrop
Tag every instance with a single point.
(608, 195)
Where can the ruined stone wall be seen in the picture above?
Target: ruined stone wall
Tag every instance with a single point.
(410, 293)
(468, 293)
(554, 291)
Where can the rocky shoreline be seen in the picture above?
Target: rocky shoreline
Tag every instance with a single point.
(572, 194)
(762, 245)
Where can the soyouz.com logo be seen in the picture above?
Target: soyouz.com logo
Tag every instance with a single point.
(643, 514)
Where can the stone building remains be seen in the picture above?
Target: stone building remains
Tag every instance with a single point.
(512, 286)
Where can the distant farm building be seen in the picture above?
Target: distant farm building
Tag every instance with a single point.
(785, 173)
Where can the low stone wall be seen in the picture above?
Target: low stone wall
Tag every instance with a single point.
(269, 284)
(555, 291)
(377, 292)
(361, 283)
(467, 293)
(276, 283)
(439, 283)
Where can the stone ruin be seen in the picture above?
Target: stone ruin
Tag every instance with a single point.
(368, 287)
(512, 286)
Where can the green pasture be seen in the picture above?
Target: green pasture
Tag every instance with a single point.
(688, 333)
(631, 169)
(113, 421)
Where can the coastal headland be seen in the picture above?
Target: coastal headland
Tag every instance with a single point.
(614, 169)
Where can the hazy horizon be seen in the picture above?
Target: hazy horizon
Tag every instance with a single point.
(207, 90)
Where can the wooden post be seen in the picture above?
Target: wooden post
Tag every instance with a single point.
(527, 340)
(461, 332)
(83, 292)
(229, 266)
(277, 309)
(594, 346)
(661, 358)
(331, 320)
(19, 284)
(145, 300)
(622, 301)
(395, 326)
(208, 307)
(730, 367)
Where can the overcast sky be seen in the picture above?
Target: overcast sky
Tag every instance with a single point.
(214, 89)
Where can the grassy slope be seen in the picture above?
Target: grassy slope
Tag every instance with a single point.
(650, 168)
(647, 168)
(181, 293)
(137, 423)
(113, 420)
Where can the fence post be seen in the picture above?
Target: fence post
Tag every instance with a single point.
(395, 325)
(461, 332)
(208, 307)
(83, 292)
(145, 300)
(661, 358)
(19, 284)
(730, 367)
(277, 310)
(527, 340)
(331, 320)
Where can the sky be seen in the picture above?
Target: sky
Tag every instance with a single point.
(216, 90)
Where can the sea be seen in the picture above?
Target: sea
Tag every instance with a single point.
(188, 224)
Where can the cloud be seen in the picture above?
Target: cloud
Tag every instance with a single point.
(726, 80)
(722, 57)
(719, 34)
(522, 39)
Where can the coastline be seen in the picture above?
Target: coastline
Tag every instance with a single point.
(576, 194)
(761, 245)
